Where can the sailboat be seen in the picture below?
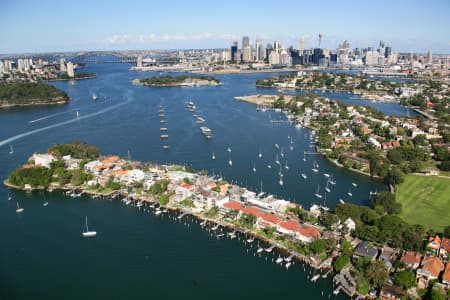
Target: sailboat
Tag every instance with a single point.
(19, 209)
(11, 150)
(277, 146)
(331, 180)
(277, 161)
(327, 189)
(45, 202)
(88, 233)
(349, 192)
(9, 197)
(286, 166)
(304, 156)
(229, 149)
(314, 168)
(269, 166)
(94, 97)
(213, 156)
(304, 176)
(230, 162)
(260, 152)
(254, 168)
(280, 182)
(78, 114)
(354, 184)
(317, 193)
(282, 152)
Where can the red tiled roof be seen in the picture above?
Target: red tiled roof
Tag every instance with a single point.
(186, 185)
(309, 231)
(446, 244)
(290, 225)
(410, 257)
(446, 275)
(433, 265)
(434, 242)
(110, 159)
(251, 210)
(270, 218)
(233, 205)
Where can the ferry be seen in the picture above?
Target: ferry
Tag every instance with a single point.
(200, 120)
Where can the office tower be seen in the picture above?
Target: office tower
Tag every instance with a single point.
(387, 51)
(276, 46)
(259, 50)
(234, 48)
(139, 61)
(429, 57)
(301, 45)
(245, 42)
(70, 69)
(62, 65)
(345, 45)
(247, 53)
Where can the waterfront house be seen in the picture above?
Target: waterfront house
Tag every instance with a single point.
(446, 276)
(431, 268)
(267, 220)
(89, 167)
(411, 259)
(288, 227)
(365, 249)
(349, 225)
(391, 292)
(307, 234)
(387, 256)
(43, 160)
(434, 244)
(184, 190)
(135, 175)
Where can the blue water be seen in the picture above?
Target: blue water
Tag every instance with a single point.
(138, 255)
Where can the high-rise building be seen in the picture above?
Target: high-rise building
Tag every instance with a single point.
(70, 69)
(259, 50)
(429, 57)
(345, 45)
(62, 65)
(301, 45)
(234, 49)
(276, 46)
(139, 61)
(387, 51)
(247, 53)
(245, 42)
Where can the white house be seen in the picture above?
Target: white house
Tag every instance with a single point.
(349, 224)
(136, 175)
(43, 159)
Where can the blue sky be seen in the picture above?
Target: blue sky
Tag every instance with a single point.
(42, 25)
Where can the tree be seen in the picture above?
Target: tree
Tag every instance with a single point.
(318, 246)
(377, 273)
(447, 231)
(341, 262)
(445, 165)
(387, 201)
(405, 279)
(394, 177)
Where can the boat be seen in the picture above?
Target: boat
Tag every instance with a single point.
(94, 97)
(9, 197)
(336, 291)
(164, 136)
(304, 156)
(269, 249)
(282, 152)
(277, 161)
(250, 240)
(254, 168)
(203, 223)
(286, 166)
(78, 114)
(229, 149)
(19, 209)
(260, 250)
(269, 166)
(326, 175)
(315, 277)
(315, 168)
(288, 264)
(327, 189)
(304, 176)
(88, 233)
(215, 227)
(317, 193)
(279, 260)
(162, 115)
(213, 156)
(260, 152)
(163, 128)
(219, 235)
(341, 201)
(165, 147)
(11, 150)
(349, 193)
(230, 162)
(206, 132)
(331, 180)
(158, 212)
(354, 184)
(200, 120)
(277, 146)
(280, 182)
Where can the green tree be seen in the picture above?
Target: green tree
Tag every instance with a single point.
(405, 279)
(376, 273)
(447, 231)
(318, 246)
(341, 262)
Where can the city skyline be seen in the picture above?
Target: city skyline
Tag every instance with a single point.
(49, 26)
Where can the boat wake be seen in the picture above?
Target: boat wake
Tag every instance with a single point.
(53, 115)
(19, 136)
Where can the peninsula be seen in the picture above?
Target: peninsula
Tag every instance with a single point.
(30, 94)
(361, 245)
(177, 81)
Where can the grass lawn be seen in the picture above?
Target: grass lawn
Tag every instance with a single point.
(425, 200)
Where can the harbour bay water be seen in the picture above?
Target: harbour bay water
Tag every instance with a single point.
(136, 254)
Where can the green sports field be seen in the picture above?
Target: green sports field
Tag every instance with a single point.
(425, 200)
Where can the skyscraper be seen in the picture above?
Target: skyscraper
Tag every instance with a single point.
(234, 48)
(429, 57)
(247, 53)
(139, 61)
(245, 42)
(62, 64)
(301, 45)
(259, 50)
(70, 69)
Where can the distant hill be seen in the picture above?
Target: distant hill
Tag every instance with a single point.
(28, 93)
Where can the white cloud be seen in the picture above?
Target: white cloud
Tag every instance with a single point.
(117, 39)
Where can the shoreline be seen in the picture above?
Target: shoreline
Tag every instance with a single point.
(33, 104)
(68, 79)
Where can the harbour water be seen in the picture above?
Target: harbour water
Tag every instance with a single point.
(135, 254)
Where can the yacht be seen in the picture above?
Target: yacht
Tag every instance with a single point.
(88, 233)
(229, 149)
(331, 180)
(327, 189)
(354, 184)
(94, 97)
(19, 209)
(349, 193)
(304, 176)
(315, 168)
(260, 152)
(277, 146)
(230, 162)
(213, 156)
(11, 150)
(317, 193)
(277, 161)
(286, 166)
(254, 168)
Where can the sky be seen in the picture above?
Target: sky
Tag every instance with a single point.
(52, 26)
